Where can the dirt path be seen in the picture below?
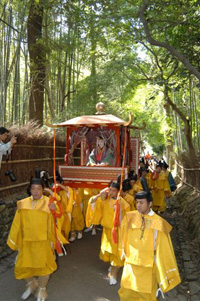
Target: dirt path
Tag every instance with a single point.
(82, 276)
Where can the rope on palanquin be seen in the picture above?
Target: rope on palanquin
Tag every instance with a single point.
(117, 210)
(53, 199)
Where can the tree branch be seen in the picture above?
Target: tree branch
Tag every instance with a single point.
(165, 45)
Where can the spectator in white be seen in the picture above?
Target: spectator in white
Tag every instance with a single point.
(5, 147)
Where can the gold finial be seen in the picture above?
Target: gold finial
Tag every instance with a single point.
(100, 107)
(49, 124)
(127, 123)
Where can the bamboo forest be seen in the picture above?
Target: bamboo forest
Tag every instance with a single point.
(59, 58)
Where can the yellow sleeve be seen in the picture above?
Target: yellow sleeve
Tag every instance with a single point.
(78, 195)
(168, 274)
(151, 183)
(51, 231)
(129, 199)
(69, 206)
(61, 237)
(122, 238)
(166, 185)
(59, 221)
(137, 187)
(94, 212)
(15, 236)
(125, 206)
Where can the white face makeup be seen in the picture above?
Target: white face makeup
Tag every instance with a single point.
(100, 142)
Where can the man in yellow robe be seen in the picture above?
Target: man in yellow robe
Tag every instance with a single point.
(160, 189)
(126, 195)
(145, 244)
(136, 186)
(77, 222)
(64, 222)
(172, 183)
(32, 235)
(88, 193)
(106, 202)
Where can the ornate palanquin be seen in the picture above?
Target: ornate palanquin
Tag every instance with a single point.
(90, 176)
(81, 134)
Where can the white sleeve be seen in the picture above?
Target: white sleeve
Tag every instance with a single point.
(5, 147)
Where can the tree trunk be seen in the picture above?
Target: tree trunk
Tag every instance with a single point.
(169, 144)
(48, 73)
(37, 61)
(187, 127)
(93, 85)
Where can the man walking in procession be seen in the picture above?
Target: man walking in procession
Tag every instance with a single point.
(145, 244)
(32, 235)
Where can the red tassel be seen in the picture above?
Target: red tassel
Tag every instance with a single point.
(116, 223)
(114, 235)
(56, 189)
(58, 247)
(55, 215)
(53, 211)
(117, 212)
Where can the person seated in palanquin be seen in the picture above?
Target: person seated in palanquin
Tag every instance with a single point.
(101, 155)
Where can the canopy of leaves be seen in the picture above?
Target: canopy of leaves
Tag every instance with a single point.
(98, 51)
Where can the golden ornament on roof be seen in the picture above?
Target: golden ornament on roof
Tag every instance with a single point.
(100, 107)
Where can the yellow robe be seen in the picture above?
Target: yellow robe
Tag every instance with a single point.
(130, 200)
(77, 223)
(137, 187)
(149, 257)
(32, 235)
(148, 178)
(93, 214)
(106, 213)
(160, 187)
(59, 221)
(166, 173)
(64, 223)
(88, 193)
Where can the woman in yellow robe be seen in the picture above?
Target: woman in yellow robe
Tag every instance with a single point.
(106, 202)
(145, 244)
(32, 235)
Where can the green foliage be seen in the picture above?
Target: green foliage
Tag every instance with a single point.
(97, 51)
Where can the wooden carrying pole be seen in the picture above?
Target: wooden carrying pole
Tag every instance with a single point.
(117, 210)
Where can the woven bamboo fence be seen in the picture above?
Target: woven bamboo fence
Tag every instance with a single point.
(34, 150)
